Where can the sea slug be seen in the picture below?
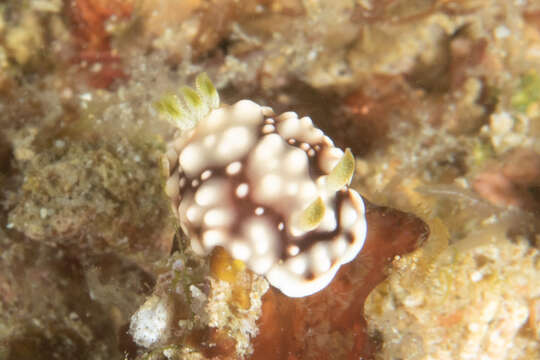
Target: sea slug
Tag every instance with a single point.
(273, 190)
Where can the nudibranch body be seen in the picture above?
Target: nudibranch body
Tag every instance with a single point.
(273, 190)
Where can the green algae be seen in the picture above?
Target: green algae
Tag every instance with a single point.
(528, 91)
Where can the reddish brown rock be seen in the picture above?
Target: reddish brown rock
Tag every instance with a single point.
(330, 324)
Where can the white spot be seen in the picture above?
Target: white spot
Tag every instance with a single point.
(209, 193)
(247, 112)
(329, 157)
(291, 188)
(216, 119)
(298, 286)
(320, 259)
(288, 125)
(338, 246)
(293, 250)
(182, 182)
(259, 211)
(206, 174)
(240, 250)
(242, 190)
(270, 185)
(195, 183)
(217, 217)
(233, 168)
(261, 235)
(266, 129)
(192, 159)
(311, 152)
(328, 222)
(304, 146)
(267, 111)
(261, 264)
(234, 143)
(281, 226)
(269, 148)
(213, 238)
(193, 214)
(295, 162)
(307, 191)
(296, 231)
(260, 243)
(298, 264)
(306, 122)
(359, 229)
(348, 216)
(291, 141)
(288, 115)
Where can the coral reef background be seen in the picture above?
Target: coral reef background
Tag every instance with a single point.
(438, 99)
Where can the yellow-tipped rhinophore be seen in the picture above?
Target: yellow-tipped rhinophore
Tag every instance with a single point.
(169, 105)
(194, 104)
(312, 215)
(207, 91)
(342, 173)
(193, 107)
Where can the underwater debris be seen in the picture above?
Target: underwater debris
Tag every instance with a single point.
(272, 190)
(209, 307)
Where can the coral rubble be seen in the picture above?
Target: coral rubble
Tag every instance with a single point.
(476, 300)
